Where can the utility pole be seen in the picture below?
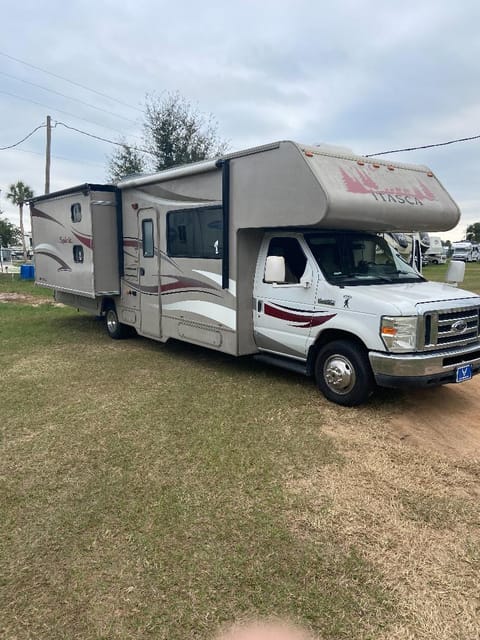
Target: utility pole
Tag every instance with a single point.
(47, 155)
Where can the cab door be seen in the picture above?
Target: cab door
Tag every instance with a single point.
(149, 273)
(284, 311)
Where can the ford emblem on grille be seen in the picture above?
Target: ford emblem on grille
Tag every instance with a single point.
(460, 326)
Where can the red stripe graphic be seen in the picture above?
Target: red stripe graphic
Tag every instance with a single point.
(88, 242)
(301, 321)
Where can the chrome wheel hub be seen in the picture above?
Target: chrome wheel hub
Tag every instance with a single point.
(112, 322)
(339, 374)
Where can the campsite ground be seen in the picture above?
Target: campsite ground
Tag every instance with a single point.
(153, 490)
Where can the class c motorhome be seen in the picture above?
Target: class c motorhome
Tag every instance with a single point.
(465, 251)
(277, 252)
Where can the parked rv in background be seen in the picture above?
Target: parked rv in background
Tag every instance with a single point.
(279, 252)
(465, 251)
(436, 252)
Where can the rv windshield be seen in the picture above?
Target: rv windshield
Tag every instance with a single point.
(359, 259)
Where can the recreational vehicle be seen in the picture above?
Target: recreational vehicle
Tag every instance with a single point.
(436, 253)
(465, 251)
(278, 252)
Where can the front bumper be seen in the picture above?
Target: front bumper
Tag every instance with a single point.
(422, 369)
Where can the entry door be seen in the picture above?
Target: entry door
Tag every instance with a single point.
(284, 311)
(149, 273)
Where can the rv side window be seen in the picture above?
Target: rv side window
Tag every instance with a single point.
(195, 233)
(147, 238)
(292, 252)
(76, 212)
(77, 253)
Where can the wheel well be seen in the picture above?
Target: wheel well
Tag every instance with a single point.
(107, 303)
(329, 335)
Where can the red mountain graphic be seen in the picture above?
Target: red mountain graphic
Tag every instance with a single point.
(358, 181)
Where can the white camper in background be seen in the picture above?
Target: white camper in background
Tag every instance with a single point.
(436, 254)
(278, 252)
(464, 251)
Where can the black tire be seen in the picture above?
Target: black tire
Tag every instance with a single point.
(343, 373)
(115, 328)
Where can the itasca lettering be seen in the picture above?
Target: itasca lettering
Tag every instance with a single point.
(388, 197)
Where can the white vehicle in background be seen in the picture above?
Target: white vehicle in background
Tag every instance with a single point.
(475, 252)
(277, 252)
(465, 251)
(411, 246)
(436, 252)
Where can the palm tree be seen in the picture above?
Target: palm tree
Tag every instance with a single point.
(18, 194)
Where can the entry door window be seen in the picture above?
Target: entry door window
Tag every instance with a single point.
(147, 238)
(292, 252)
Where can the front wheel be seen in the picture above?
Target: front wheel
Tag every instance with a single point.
(343, 373)
(115, 328)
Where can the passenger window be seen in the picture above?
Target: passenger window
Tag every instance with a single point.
(295, 260)
(195, 233)
(148, 244)
(77, 253)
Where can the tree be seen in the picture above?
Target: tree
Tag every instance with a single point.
(19, 193)
(473, 232)
(125, 161)
(175, 133)
(9, 233)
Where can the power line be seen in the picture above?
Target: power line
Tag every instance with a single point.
(77, 84)
(67, 113)
(38, 153)
(425, 146)
(58, 93)
(11, 146)
(91, 135)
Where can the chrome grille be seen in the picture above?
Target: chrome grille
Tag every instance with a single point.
(451, 328)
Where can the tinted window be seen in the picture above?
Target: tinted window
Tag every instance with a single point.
(76, 212)
(195, 233)
(147, 239)
(77, 253)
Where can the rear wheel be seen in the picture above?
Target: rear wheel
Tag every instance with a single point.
(343, 373)
(115, 328)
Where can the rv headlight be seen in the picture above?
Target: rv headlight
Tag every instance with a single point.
(399, 333)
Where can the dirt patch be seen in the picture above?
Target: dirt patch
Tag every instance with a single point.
(445, 419)
(25, 298)
(412, 513)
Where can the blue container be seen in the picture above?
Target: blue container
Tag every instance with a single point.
(27, 272)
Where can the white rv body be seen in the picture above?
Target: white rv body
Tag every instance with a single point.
(436, 252)
(465, 251)
(189, 253)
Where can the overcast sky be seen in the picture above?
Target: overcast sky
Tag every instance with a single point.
(369, 75)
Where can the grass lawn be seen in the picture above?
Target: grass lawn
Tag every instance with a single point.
(472, 275)
(11, 283)
(156, 491)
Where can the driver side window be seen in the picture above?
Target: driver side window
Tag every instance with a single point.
(292, 252)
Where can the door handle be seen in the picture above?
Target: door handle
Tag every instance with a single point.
(142, 271)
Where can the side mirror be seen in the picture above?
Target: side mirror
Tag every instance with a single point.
(456, 272)
(275, 269)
